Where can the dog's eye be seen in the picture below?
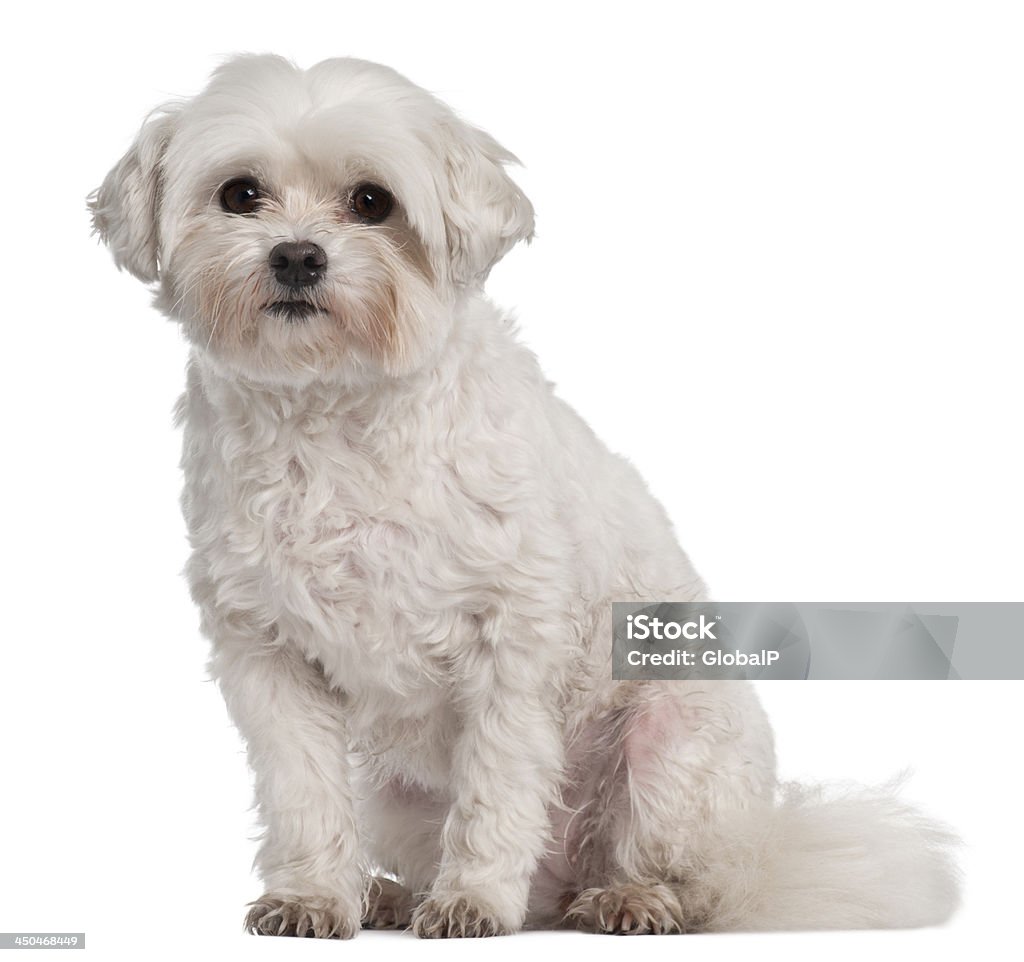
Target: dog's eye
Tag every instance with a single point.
(371, 202)
(240, 196)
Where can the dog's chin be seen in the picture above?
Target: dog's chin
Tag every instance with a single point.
(294, 311)
(283, 343)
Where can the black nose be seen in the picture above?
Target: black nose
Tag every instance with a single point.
(298, 263)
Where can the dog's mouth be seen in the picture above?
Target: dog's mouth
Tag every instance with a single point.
(296, 310)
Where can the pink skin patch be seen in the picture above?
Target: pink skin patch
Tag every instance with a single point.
(654, 730)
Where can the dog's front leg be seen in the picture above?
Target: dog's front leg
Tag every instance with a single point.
(295, 733)
(506, 767)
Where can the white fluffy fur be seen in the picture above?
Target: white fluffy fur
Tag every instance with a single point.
(405, 548)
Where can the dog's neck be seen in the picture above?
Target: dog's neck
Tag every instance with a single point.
(376, 404)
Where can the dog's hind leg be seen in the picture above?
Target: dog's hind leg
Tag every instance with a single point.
(672, 765)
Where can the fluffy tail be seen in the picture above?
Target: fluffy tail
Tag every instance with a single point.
(834, 860)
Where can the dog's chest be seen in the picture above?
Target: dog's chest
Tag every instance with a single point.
(350, 551)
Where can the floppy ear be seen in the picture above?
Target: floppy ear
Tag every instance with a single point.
(124, 207)
(486, 214)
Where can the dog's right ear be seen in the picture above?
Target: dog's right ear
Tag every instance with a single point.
(124, 208)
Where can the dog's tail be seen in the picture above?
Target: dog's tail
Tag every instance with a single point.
(834, 859)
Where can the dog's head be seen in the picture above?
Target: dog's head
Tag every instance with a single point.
(304, 224)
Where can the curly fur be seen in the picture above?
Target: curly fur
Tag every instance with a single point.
(404, 549)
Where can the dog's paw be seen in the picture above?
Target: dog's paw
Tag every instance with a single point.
(456, 915)
(301, 916)
(388, 905)
(631, 909)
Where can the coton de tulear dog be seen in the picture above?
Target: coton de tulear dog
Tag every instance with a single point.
(405, 550)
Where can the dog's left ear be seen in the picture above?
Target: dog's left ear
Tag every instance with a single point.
(124, 208)
(486, 214)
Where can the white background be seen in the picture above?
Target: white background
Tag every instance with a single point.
(778, 264)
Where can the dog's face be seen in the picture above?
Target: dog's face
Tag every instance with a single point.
(305, 224)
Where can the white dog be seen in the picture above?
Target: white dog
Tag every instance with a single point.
(405, 550)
